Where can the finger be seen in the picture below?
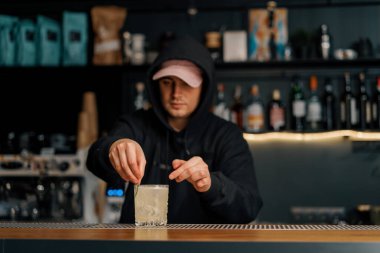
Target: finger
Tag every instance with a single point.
(141, 161)
(185, 175)
(177, 162)
(200, 174)
(125, 165)
(116, 164)
(193, 174)
(203, 183)
(190, 163)
(132, 161)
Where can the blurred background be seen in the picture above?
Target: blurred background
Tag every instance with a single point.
(300, 78)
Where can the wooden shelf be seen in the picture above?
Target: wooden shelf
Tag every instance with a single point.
(315, 136)
(293, 64)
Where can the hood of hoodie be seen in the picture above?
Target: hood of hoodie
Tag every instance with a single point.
(184, 48)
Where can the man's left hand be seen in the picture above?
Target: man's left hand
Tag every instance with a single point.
(194, 171)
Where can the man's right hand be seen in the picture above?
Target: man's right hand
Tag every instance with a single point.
(128, 159)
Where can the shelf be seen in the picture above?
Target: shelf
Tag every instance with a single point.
(306, 64)
(249, 65)
(318, 136)
(28, 173)
(147, 6)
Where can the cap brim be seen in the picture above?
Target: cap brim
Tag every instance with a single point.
(192, 78)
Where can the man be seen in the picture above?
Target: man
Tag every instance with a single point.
(204, 159)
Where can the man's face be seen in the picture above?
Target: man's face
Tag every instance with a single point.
(178, 98)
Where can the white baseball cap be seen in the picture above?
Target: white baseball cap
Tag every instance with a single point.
(183, 69)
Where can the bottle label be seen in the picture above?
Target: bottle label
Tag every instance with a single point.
(374, 111)
(299, 108)
(222, 111)
(342, 112)
(277, 118)
(255, 117)
(314, 112)
(354, 112)
(368, 113)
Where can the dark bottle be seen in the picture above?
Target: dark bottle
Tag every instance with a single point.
(329, 121)
(376, 106)
(364, 104)
(272, 47)
(348, 115)
(276, 111)
(298, 106)
(237, 108)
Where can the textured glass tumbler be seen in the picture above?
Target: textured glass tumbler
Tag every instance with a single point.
(151, 205)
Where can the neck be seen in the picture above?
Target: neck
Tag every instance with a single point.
(178, 124)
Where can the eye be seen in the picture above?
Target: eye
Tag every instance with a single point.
(165, 81)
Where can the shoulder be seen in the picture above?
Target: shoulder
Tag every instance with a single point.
(138, 116)
(223, 127)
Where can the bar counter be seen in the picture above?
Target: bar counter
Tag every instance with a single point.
(93, 238)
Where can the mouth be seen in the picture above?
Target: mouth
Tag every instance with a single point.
(176, 105)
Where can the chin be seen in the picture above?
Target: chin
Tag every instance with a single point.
(177, 113)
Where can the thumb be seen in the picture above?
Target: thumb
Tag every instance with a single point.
(177, 163)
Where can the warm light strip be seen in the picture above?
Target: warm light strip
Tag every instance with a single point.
(286, 136)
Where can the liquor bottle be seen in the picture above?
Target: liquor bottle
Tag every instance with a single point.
(324, 43)
(314, 106)
(276, 112)
(220, 108)
(237, 108)
(141, 102)
(329, 121)
(298, 106)
(376, 106)
(254, 111)
(213, 42)
(348, 116)
(364, 104)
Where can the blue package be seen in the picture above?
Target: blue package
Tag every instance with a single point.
(7, 40)
(48, 41)
(75, 38)
(26, 43)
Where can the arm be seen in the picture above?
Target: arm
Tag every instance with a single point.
(234, 193)
(117, 158)
(230, 189)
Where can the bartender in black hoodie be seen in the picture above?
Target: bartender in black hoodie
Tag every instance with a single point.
(203, 158)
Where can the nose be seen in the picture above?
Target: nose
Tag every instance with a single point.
(176, 90)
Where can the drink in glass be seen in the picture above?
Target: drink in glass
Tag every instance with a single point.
(151, 205)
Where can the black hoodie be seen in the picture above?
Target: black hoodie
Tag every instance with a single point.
(233, 196)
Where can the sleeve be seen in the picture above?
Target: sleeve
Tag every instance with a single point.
(234, 193)
(98, 160)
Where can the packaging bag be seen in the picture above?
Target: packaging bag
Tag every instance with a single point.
(259, 34)
(26, 43)
(7, 40)
(48, 41)
(107, 22)
(75, 38)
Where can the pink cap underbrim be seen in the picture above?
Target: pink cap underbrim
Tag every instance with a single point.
(183, 69)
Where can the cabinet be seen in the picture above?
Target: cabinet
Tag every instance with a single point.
(24, 106)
